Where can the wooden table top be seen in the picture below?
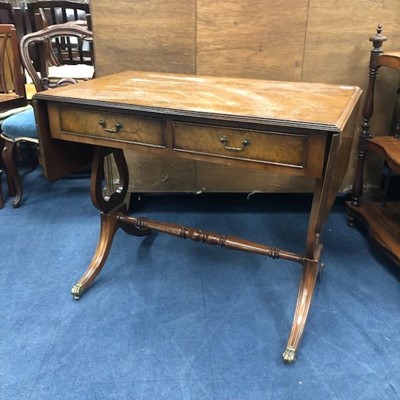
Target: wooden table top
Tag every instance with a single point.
(313, 104)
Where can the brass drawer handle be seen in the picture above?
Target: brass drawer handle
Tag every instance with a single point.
(224, 140)
(118, 126)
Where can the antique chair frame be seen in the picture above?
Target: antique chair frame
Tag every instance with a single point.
(42, 38)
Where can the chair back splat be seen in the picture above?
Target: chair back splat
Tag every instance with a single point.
(12, 81)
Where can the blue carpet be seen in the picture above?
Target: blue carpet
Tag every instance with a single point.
(174, 319)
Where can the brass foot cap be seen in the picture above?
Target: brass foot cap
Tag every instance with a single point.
(76, 291)
(289, 355)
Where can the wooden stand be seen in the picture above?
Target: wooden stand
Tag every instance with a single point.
(382, 218)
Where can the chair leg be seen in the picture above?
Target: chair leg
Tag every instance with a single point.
(6, 154)
(14, 181)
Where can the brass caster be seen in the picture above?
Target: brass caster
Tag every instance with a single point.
(289, 355)
(76, 291)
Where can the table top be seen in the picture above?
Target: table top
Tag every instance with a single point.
(312, 104)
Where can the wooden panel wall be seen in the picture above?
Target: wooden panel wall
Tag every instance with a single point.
(151, 35)
(298, 40)
(255, 39)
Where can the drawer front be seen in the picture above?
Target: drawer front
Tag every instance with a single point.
(290, 150)
(115, 127)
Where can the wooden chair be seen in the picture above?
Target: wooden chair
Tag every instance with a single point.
(22, 127)
(62, 50)
(14, 15)
(70, 30)
(12, 81)
(382, 217)
(44, 13)
(7, 15)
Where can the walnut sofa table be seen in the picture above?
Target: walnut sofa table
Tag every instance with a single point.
(299, 129)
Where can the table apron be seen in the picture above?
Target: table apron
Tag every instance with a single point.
(271, 148)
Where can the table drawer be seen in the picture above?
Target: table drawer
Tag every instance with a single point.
(291, 150)
(110, 126)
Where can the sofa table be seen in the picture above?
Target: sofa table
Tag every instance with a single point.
(294, 128)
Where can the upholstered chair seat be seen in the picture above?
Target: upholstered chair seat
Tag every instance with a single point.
(20, 127)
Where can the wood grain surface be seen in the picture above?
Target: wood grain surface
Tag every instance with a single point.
(295, 40)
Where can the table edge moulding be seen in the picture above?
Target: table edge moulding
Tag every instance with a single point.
(290, 128)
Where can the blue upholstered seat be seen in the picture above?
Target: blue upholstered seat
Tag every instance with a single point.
(19, 126)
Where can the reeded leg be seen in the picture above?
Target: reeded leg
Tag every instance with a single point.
(325, 191)
(322, 200)
(109, 226)
(111, 208)
(305, 294)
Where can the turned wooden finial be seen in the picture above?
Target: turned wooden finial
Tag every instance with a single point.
(378, 38)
